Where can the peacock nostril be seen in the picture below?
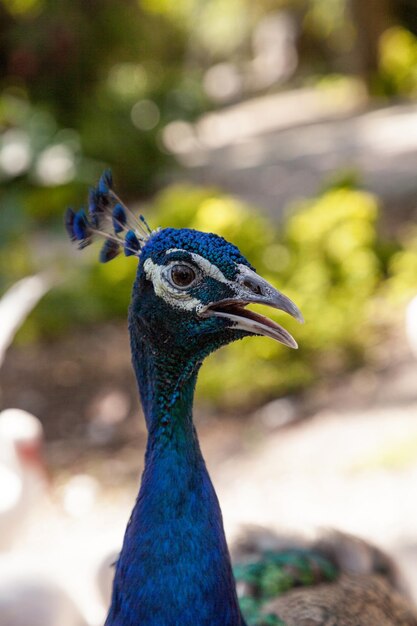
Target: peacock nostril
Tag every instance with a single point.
(253, 286)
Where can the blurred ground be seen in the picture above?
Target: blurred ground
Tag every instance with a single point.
(274, 150)
(351, 463)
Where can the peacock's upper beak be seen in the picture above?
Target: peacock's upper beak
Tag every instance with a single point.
(251, 288)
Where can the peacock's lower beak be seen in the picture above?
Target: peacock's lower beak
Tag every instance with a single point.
(251, 288)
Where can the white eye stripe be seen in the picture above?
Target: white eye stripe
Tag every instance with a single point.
(209, 269)
(177, 297)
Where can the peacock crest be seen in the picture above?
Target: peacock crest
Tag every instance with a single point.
(108, 217)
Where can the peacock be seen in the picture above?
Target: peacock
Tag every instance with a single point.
(189, 298)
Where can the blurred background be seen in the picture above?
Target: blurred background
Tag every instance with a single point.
(287, 126)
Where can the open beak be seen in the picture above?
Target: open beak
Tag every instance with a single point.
(253, 289)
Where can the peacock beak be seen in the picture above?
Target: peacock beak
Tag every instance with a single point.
(250, 288)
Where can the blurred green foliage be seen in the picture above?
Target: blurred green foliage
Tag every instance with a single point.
(402, 270)
(88, 84)
(113, 72)
(398, 62)
(117, 73)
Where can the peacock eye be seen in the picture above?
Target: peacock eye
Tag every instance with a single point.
(182, 275)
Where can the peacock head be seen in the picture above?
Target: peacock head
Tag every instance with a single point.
(192, 288)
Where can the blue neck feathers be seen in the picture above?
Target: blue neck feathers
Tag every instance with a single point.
(174, 567)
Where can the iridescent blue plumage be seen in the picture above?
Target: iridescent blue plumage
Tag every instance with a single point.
(105, 183)
(109, 251)
(132, 245)
(81, 226)
(95, 210)
(107, 217)
(212, 247)
(119, 218)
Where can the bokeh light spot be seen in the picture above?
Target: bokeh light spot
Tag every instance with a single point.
(145, 115)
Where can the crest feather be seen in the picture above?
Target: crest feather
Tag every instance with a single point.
(107, 217)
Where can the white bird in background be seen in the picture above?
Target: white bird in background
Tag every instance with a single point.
(411, 325)
(23, 478)
(18, 302)
(28, 597)
(27, 601)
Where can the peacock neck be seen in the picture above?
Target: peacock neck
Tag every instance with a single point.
(174, 567)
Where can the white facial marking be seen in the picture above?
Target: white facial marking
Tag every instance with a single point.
(209, 269)
(175, 297)
(180, 298)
